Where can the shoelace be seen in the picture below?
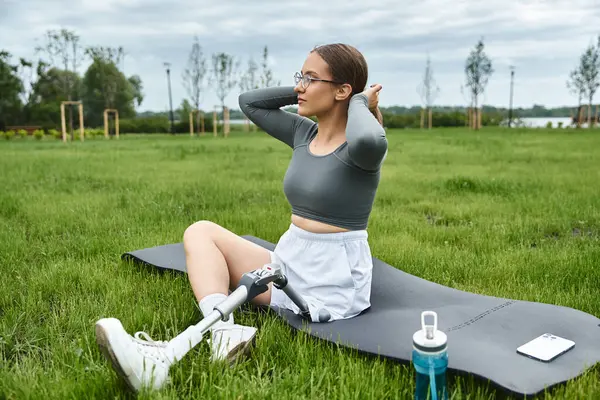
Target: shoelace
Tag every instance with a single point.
(148, 340)
(159, 356)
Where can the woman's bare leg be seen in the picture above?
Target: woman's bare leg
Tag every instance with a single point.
(216, 259)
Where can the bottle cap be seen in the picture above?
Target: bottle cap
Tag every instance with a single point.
(428, 338)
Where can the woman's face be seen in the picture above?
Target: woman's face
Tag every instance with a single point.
(319, 97)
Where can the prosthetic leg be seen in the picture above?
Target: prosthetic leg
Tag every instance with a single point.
(251, 285)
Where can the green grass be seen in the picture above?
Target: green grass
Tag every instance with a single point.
(510, 214)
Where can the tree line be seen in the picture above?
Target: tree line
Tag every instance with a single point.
(31, 91)
(583, 82)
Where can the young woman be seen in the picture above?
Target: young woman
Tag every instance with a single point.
(330, 183)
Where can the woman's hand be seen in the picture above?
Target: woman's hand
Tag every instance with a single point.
(373, 101)
(373, 95)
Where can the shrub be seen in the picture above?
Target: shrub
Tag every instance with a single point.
(9, 134)
(55, 134)
(22, 133)
(93, 132)
(38, 134)
(549, 124)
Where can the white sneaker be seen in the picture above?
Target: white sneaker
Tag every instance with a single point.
(231, 341)
(141, 363)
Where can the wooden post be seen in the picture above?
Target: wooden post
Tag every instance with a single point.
(200, 116)
(116, 113)
(63, 122)
(422, 117)
(479, 112)
(106, 124)
(81, 130)
(215, 121)
(226, 121)
(117, 123)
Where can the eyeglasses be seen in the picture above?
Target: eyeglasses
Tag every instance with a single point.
(306, 79)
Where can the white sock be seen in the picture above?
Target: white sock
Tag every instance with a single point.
(180, 345)
(208, 303)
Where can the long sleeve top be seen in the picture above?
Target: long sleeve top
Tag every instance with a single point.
(337, 188)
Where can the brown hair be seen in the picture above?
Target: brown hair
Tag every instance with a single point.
(346, 64)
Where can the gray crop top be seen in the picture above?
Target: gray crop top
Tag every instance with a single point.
(338, 188)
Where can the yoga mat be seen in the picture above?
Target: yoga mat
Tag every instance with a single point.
(483, 331)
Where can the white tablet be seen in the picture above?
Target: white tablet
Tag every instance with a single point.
(546, 347)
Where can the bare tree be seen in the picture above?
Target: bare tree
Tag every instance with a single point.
(251, 78)
(576, 86)
(590, 73)
(63, 49)
(193, 77)
(428, 90)
(249, 81)
(478, 69)
(266, 78)
(224, 76)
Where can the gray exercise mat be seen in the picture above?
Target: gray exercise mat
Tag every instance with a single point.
(483, 332)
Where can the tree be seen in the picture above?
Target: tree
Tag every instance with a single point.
(193, 77)
(184, 110)
(48, 93)
(428, 90)
(589, 68)
(225, 76)
(63, 50)
(137, 89)
(478, 69)
(249, 81)
(105, 62)
(10, 89)
(105, 86)
(576, 86)
(266, 78)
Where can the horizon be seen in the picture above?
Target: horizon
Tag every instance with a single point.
(597, 103)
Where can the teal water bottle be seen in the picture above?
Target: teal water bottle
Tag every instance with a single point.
(430, 359)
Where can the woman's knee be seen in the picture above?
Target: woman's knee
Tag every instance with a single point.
(199, 230)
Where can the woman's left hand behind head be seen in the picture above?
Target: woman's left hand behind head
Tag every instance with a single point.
(373, 95)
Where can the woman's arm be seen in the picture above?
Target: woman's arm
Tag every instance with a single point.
(262, 106)
(367, 143)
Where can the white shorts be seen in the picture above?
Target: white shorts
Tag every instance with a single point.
(331, 271)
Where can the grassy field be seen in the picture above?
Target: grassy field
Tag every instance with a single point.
(509, 214)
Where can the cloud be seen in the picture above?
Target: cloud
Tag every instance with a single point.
(543, 39)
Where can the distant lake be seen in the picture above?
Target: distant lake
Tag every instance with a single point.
(540, 122)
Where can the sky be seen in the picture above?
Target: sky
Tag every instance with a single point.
(543, 40)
